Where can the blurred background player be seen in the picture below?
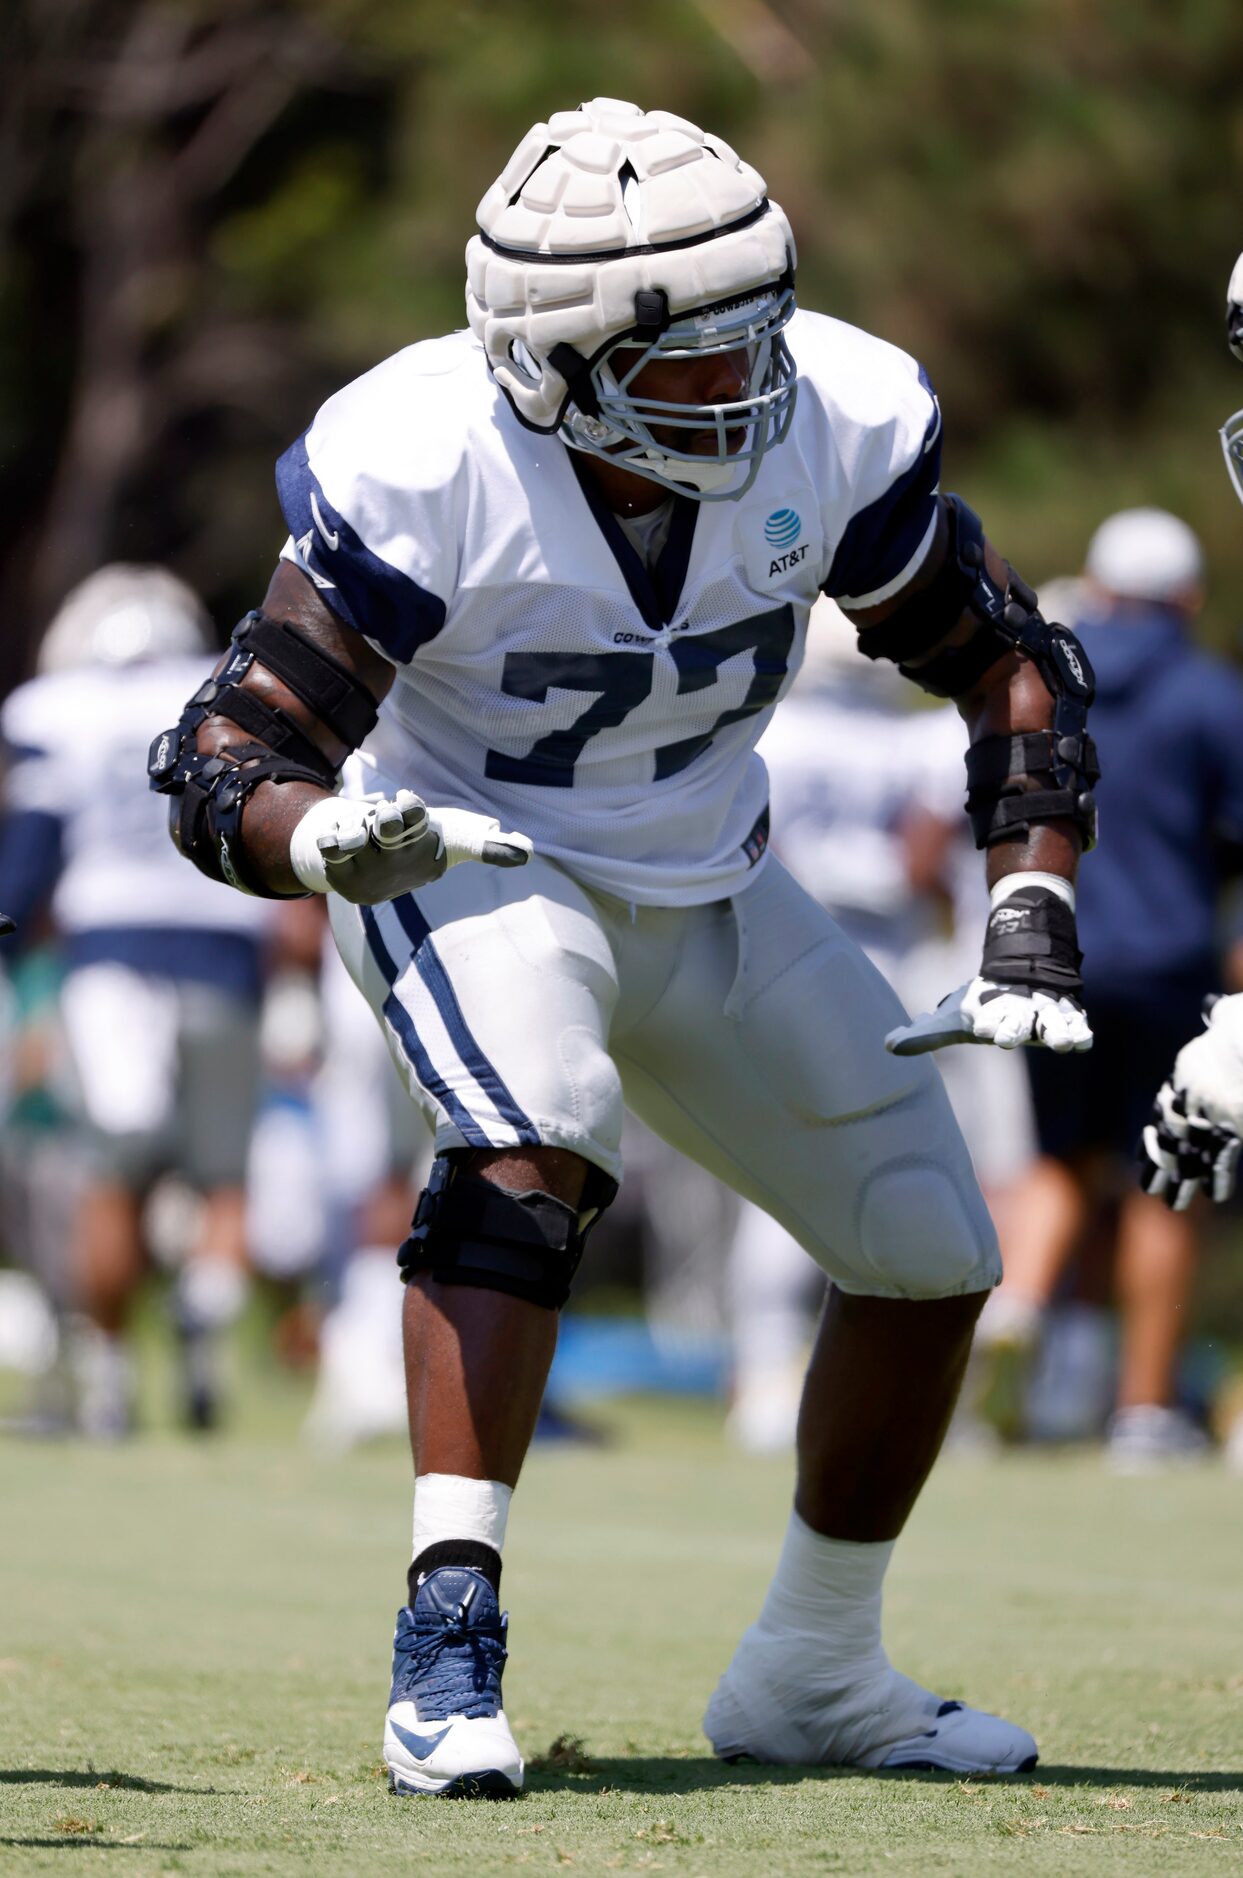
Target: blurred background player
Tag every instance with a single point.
(867, 813)
(373, 1146)
(160, 998)
(1168, 721)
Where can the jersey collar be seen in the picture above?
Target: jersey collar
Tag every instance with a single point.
(656, 591)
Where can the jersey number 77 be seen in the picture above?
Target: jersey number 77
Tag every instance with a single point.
(622, 680)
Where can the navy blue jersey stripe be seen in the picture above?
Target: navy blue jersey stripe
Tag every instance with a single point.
(369, 594)
(379, 951)
(432, 971)
(399, 1017)
(881, 539)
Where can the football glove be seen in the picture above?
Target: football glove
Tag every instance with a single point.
(1193, 1140)
(1027, 989)
(378, 848)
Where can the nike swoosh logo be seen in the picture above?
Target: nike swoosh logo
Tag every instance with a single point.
(332, 538)
(421, 1746)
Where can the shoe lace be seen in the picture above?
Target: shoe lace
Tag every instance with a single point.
(455, 1664)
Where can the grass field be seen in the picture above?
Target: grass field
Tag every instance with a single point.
(193, 1666)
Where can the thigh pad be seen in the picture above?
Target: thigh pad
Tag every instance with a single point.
(917, 1235)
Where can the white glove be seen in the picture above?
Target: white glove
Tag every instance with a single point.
(1193, 1139)
(1028, 977)
(378, 848)
(1209, 1070)
(1007, 1015)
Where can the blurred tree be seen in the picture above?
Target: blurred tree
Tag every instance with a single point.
(134, 126)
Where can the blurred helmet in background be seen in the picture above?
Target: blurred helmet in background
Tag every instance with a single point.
(1146, 554)
(1231, 432)
(611, 227)
(121, 614)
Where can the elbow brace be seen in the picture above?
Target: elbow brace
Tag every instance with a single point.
(210, 792)
(1061, 762)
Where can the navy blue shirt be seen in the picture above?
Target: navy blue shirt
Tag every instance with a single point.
(1168, 723)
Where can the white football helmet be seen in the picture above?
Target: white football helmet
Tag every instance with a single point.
(1231, 432)
(123, 613)
(611, 226)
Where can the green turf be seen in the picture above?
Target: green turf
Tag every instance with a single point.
(193, 1647)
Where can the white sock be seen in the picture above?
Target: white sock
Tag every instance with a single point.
(830, 1588)
(1008, 1318)
(211, 1292)
(817, 1647)
(448, 1506)
(103, 1375)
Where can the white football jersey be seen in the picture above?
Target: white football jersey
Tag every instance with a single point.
(75, 785)
(545, 675)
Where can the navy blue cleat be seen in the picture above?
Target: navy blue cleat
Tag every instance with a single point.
(446, 1732)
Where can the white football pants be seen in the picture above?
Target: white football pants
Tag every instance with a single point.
(521, 1008)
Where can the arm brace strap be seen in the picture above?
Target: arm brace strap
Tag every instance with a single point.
(1009, 621)
(468, 1231)
(998, 804)
(211, 791)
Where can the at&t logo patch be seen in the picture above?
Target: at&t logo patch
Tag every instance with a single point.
(782, 543)
(783, 528)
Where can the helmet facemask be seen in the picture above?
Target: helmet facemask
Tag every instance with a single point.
(1231, 434)
(609, 419)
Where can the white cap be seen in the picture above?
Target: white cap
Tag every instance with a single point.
(1145, 554)
(124, 613)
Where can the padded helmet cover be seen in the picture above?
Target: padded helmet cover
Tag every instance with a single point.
(595, 206)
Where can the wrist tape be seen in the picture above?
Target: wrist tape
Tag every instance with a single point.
(1030, 940)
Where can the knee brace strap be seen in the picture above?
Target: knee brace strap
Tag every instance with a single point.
(468, 1231)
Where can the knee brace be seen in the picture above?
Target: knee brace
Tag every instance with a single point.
(468, 1231)
(918, 1236)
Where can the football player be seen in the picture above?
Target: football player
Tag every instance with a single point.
(160, 1001)
(552, 574)
(1193, 1141)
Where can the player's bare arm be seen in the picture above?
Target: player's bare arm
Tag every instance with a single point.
(1008, 699)
(969, 628)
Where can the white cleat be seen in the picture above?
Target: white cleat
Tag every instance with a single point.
(446, 1733)
(966, 1740)
(458, 1757)
(1146, 1438)
(767, 1707)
